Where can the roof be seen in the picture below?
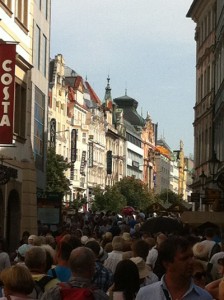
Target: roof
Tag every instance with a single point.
(163, 151)
(191, 8)
(129, 106)
(68, 72)
(131, 129)
(92, 93)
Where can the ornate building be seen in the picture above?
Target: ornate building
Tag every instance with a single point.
(203, 13)
(148, 144)
(115, 139)
(134, 124)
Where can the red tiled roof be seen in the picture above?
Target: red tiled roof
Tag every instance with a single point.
(93, 95)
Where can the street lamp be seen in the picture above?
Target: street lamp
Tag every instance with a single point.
(214, 164)
(203, 179)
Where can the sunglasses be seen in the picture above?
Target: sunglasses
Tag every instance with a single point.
(199, 275)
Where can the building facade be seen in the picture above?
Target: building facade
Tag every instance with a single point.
(26, 25)
(203, 13)
(208, 125)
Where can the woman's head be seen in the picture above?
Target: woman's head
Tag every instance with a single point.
(17, 279)
(126, 278)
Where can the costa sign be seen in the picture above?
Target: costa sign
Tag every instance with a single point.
(7, 86)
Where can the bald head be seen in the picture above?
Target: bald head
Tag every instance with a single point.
(82, 262)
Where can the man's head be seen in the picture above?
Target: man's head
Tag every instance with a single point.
(82, 262)
(161, 237)
(94, 246)
(118, 243)
(65, 248)
(140, 248)
(35, 259)
(177, 256)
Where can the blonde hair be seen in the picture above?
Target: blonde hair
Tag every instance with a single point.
(17, 279)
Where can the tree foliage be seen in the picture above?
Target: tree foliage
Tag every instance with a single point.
(127, 192)
(56, 167)
(110, 199)
(136, 192)
(169, 196)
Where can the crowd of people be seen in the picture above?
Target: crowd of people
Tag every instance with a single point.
(106, 256)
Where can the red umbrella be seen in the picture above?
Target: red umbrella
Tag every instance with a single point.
(127, 210)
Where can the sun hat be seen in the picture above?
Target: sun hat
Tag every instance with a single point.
(23, 249)
(143, 269)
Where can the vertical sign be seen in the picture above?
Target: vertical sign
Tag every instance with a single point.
(90, 162)
(74, 134)
(7, 83)
(53, 133)
(109, 162)
(83, 163)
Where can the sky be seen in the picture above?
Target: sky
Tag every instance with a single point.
(146, 47)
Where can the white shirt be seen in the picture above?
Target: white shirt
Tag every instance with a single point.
(152, 257)
(113, 259)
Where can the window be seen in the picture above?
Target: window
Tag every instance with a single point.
(22, 12)
(37, 47)
(6, 4)
(39, 129)
(84, 137)
(44, 56)
(44, 7)
(20, 110)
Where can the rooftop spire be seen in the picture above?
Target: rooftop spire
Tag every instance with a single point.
(108, 90)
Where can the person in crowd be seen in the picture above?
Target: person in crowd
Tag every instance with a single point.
(106, 238)
(213, 266)
(221, 290)
(21, 252)
(127, 251)
(126, 281)
(62, 270)
(34, 240)
(24, 239)
(36, 260)
(103, 277)
(4, 257)
(215, 288)
(50, 240)
(211, 243)
(82, 264)
(199, 273)
(116, 255)
(153, 252)
(153, 260)
(177, 256)
(17, 282)
(140, 250)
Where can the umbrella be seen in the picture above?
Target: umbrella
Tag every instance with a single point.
(127, 210)
(162, 224)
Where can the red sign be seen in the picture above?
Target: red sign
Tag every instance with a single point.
(7, 84)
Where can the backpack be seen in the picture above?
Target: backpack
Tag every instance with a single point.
(78, 293)
(39, 286)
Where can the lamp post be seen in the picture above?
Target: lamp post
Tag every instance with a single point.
(214, 164)
(203, 179)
